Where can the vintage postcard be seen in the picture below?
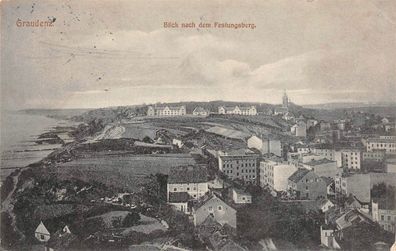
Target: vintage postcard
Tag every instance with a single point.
(198, 125)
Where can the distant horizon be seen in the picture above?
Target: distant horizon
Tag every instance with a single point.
(374, 104)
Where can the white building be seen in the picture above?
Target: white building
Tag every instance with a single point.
(386, 144)
(238, 110)
(177, 142)
(349, 158)
(166, 110)
(200, 111)
(327, 153)
(299, 129)
(266, 145)
(41, 233)
(192, 180)
(239, 164)
(241, 197)
(275, 174)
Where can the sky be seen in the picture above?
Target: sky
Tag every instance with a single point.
(102, 53)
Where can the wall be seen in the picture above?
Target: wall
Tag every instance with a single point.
(196, 190)
(281, 176)
(316, 187)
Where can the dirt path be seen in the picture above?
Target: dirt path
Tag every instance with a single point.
(8, 204)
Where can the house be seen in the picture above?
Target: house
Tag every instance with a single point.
(390, 127)
(323, 167)
(179, 201)
(241, 197)
(300, 129)
(238, 110)
(325, 204)
(325, 151)
(330, 185)
(324, 126)
(274, 174)
(190, 179)
(353, 203)
(360, 184)
(267, 144)
(62, 239)
(349, 158)
(384, 212)
(280, 110)
(200, 111)
(239, 164)
(311, 123)
(42, 233)
(378, 156)
(46, 230)
(386, 144)
(349, 229)
(306, 184)
(214, 207)
(327, 237)
(288, 116)
(269, 111)
(166, 110)
(385, 120)
(177, 142)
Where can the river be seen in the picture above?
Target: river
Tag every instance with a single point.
(18, 132)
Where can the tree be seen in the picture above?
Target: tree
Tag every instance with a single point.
(147, 139)
(131, 219)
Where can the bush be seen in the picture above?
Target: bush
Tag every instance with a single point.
(7, 187)
(131, 219)
(9, 238)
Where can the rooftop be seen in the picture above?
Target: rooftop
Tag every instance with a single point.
(319, 162)
(170, 107)
(298, 175)
(187, 174)
(179, 197)
(199, 109)
(381, 140)
(237, 152)
(239, 191)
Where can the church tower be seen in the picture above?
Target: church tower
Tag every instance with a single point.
(285, 100)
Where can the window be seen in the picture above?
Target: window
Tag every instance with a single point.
(42, 237)
(188, 189)
(175, 189)
(220, 208)
(210, 208)
(382, 217)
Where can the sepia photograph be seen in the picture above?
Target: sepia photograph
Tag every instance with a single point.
(202, 125)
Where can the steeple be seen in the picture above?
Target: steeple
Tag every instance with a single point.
(285, 99)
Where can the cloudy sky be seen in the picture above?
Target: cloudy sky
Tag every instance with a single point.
(106, 53)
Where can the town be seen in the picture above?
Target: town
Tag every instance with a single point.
(227, 177)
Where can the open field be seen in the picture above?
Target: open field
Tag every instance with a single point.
(120, 170)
